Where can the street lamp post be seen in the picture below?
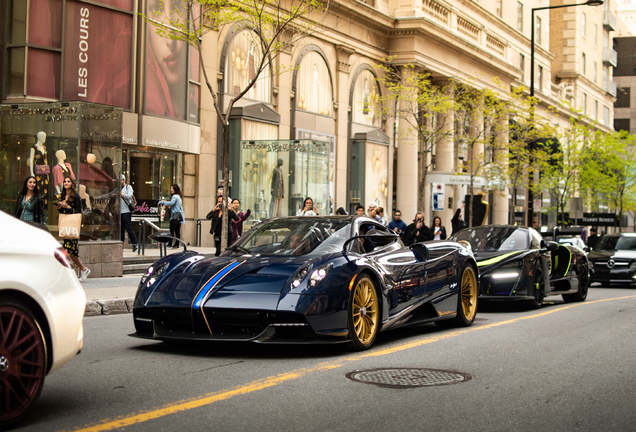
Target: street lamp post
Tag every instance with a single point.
(530, 213)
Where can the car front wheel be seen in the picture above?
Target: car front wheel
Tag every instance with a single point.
(22, 360)
(539, 289)
(363, 315)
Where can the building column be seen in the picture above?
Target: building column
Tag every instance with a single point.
(407, 178)
(339, 174)
(501, 203)
(446, 162)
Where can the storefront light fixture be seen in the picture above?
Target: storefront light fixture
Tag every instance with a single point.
(90, 158)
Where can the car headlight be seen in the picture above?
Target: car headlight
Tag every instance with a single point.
(299, 276)
(505, 275)
(512, 264)
(319, 274)
(633, 265)
(153, 273)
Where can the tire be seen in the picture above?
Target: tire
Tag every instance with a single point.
(23, 361)
(363, 314)
(581, 294)
(539, 289)
(466, 300)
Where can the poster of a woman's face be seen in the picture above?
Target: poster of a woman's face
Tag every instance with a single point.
(166, 64)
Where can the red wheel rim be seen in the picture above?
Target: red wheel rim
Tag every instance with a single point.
(22, 362)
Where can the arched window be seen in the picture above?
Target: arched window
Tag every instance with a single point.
(313, 88)
(365, 94)
(243, 57)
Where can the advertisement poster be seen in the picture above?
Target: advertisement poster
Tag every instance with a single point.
(97, 54)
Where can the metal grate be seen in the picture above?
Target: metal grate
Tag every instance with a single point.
(408, 377)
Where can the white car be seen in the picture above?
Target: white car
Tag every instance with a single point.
(41, 309)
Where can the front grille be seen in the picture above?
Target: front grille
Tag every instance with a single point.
(246, 324)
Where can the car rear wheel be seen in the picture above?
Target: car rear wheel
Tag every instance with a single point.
(539, 289)
(22, 360)
(466, 302)
(363, 317)
(581, 294)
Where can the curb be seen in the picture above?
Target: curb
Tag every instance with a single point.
(108, 307)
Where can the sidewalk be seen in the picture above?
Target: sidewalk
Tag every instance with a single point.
(115, 295)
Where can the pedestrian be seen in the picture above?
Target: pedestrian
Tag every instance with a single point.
(379, 214)
(535, 225)
(397, 224)
(216, 215)
(372, 206)
(359, 210)
(417, 232)
(308, 208)
(70, 203)
(176, 214)
(592, 239)
(438, 231)
(30, 204)
(126, 214)
(237, 226)
(341, 212)
(457, 222)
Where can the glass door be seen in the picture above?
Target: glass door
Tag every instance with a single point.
(145, 169)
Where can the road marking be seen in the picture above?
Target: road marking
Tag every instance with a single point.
(210, 398)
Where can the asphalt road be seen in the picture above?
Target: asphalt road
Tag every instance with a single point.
(559, 368)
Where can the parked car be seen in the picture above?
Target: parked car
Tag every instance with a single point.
(331, 279)
(515, 263)
(613, 259)
(568, 236)
(41, 310)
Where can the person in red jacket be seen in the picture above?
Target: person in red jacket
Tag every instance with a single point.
(237, 226)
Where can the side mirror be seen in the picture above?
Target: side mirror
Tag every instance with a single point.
(549, 245)
(420, 251)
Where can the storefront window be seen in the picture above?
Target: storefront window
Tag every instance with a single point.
(376, 175)
(313, 89)
(279, 174)
(53, 141)
(365, 94)
(243, 57)
(330, 140)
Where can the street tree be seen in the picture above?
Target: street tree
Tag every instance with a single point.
(273, 26)
(423, 108)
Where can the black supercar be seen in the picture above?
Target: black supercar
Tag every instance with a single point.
(515, 263)
(328, 279)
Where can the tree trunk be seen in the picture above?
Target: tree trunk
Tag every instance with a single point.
(226, 181)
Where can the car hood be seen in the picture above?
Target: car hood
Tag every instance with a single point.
(487, 261)
(189, 281)
(616, 254)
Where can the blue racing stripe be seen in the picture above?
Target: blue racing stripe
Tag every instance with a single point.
(210, 284)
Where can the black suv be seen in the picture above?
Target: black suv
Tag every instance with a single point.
(613, 259)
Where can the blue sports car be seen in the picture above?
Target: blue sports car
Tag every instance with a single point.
(330, 279)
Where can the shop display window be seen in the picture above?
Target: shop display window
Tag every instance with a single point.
(365, 100)
(52, 141)
(313, 88)
(277, 175)
(242, 58)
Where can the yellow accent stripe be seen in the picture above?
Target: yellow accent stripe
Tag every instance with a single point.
(210, 398)
(496, 259)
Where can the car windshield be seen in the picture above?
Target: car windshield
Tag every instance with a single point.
(494, 238)
(616, 243)
(294, 236)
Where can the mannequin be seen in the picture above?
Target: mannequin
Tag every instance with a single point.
(60, 170)
(39, 166)
(278, 190)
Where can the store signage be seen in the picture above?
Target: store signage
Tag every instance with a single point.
(147, 208)
(600, 219)
(455, 179)
(438, 196)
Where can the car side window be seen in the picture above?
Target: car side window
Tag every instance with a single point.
(535, 239)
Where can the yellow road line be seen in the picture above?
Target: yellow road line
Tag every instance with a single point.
(275, 380)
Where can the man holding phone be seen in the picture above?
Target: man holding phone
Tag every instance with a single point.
(417, 232)
(397, 224)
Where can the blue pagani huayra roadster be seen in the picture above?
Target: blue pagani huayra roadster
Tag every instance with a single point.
(328, 279)
(516, 263)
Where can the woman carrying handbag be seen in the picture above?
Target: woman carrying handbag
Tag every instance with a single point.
(30, 204)
(70, 203)
(176, 214)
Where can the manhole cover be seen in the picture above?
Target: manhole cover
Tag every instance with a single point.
(408, 377)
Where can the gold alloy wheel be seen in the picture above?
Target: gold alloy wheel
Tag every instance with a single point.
(365, 311)
(469, 293)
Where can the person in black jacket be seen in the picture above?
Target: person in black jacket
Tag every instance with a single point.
(417, 232)
(216, 214)
(70, 203)
(29, 206)
(456, 221)
(437, 230)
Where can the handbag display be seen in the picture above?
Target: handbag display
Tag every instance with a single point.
(42, 169)
(69, 225)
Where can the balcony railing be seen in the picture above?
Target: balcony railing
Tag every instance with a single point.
(609, 20)
(610, 56)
